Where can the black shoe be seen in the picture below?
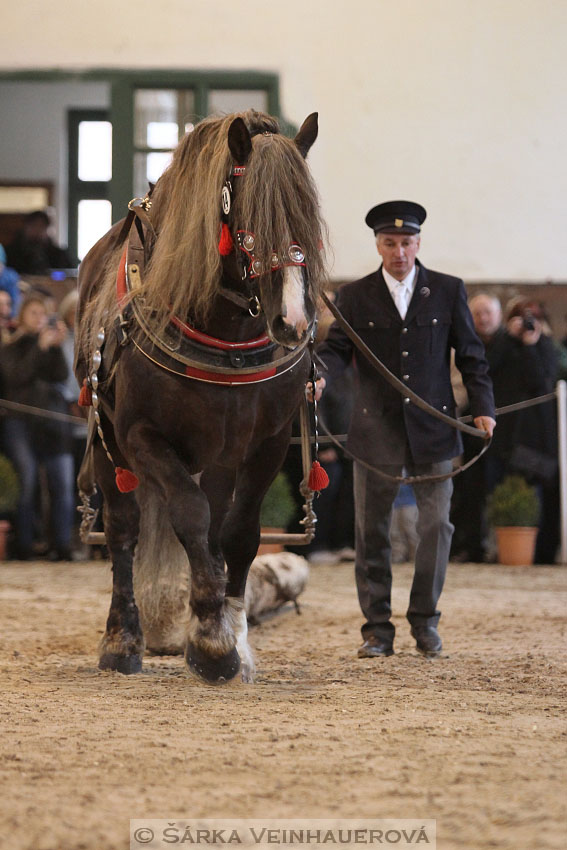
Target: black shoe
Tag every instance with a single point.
(62, 553)
(427, 640)
(375, 646)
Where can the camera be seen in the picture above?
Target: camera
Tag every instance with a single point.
(528, 321)
(52, 321)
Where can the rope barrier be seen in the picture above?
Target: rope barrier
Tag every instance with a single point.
(500, 411)
(29, 410)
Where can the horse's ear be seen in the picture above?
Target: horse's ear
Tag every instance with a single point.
(307, 134)
(239, 141)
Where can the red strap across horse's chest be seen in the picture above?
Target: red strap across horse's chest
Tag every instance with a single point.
(217, 378)
(187, 330)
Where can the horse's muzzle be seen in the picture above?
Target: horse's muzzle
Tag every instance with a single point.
(287, 334)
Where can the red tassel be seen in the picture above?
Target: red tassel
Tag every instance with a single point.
(318, 478)
(85, 396)
(225, 242)
(126, 480)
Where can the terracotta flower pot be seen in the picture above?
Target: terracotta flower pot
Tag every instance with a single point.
(4, 531)
(516, 545)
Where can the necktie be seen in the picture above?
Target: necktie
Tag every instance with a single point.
(401, 299)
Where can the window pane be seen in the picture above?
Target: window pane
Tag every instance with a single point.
(162, 134)
(148, 167)
(168, 107)
(237, 100)
(95, 218)
(95, 150)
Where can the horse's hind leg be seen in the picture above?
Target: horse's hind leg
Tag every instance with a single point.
(122, 646)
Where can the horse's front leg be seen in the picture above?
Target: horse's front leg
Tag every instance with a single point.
(122, 646)
(218, 484)
(210, 651)
(240, 534)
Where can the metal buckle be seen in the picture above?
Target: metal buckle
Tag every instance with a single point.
(145, 203)
(255, 307)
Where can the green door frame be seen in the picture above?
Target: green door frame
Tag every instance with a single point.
(122, 111)
(79, 190)
(124, 82)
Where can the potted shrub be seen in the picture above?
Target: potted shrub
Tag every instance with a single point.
(9, 493)
(277, 511)
(513, 511)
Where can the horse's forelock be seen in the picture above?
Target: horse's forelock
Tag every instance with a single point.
(277, 200)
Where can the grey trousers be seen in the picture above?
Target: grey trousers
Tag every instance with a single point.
(373, 499)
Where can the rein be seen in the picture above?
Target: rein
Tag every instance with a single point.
(407, 393)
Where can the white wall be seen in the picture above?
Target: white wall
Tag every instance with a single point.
(33, 142)
(458, 104)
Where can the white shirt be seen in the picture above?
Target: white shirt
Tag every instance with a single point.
(401, 290)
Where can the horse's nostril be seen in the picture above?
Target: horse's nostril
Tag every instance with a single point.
(287, 334)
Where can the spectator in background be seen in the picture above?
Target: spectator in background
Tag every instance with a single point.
(6, 321)
(523, 364)
(526, 365)
(10, 283)
(31, 364)
(403, 531)
(470, 539)
(70, 389)
(33, 250)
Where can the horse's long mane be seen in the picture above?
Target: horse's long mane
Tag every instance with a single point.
(276, 199)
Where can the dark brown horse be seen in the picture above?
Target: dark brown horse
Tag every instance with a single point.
(205, 308)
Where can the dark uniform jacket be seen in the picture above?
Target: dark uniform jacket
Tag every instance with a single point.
(417, 350)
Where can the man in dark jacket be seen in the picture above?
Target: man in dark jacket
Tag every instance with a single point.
(410, 317)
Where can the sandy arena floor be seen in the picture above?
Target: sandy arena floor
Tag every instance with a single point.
(475, 739)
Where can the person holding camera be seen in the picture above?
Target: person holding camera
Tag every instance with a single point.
(522, 364)
(31, 364)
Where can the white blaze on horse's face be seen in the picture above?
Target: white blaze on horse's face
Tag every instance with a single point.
(293, 302)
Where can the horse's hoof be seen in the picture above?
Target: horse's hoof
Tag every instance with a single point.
(248, 674)
(125, 664)
(213, 670)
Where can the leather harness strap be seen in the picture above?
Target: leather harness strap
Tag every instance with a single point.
(186, 351)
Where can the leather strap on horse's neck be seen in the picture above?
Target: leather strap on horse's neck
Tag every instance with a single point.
(137, 211)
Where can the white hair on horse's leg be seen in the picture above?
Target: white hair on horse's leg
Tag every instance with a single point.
(214, 634)
(238, 614)
(161, 578)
